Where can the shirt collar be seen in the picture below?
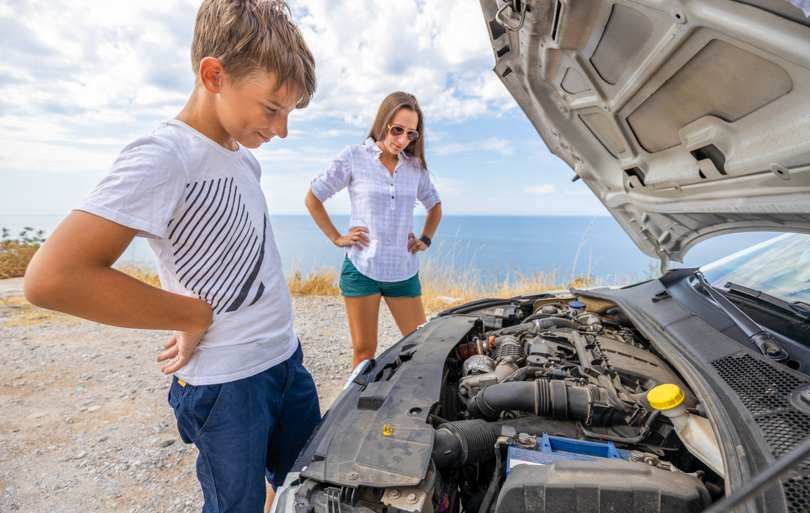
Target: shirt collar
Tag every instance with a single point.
(371, 144)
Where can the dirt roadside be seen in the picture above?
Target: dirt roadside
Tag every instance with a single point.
(84, 422)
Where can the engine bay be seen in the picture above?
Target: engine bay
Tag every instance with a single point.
(540, 403)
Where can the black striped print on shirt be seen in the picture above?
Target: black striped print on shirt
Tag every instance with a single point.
(218, 251)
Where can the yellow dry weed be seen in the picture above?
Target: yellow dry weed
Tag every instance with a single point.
(19, 312)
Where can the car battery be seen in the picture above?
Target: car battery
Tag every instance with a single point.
(548, 449)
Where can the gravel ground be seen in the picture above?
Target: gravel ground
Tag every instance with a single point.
(84, 421)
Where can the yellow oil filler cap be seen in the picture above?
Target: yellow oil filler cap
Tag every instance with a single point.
(664, 397)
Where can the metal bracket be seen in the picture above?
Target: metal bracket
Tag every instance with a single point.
(663, 255)
(506, 24)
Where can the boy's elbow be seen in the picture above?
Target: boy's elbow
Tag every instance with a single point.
(41, 287)
(36, 289)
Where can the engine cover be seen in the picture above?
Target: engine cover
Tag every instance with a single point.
(600, 486)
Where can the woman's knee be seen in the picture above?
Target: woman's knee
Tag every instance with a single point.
(364, 353)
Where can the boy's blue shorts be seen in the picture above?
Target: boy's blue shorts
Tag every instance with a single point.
(246, 431)
(353, 283)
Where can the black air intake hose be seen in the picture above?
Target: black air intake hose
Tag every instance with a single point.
(557, 322)
(463, 442)
(529, 322)
(553, 399)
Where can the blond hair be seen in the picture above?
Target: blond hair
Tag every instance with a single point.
(254, 35)
(385, 115)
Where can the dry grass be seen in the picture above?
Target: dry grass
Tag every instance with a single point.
(443, 287)
(449, 280)
(143, 272)
(14, 258)
(319, 282)
(15, 254)
(446, 285)
(19, 312)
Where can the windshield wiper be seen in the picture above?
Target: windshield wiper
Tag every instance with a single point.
(797, 308)
(766, 344)
(802, 309)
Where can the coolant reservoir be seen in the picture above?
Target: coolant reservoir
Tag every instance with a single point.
(694, 431)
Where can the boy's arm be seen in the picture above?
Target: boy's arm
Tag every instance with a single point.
(72, 273)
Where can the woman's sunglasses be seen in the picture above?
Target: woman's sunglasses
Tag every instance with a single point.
(397, 130)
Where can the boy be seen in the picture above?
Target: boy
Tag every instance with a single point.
(240, 392)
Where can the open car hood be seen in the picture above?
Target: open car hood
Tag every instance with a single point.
(687, 119)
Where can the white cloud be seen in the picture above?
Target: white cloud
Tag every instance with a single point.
(440, 52)
(50, 147)
(448, 187)
(90, 69)
(540, 189)
(493, 144)
(83, 78)
(290, 159)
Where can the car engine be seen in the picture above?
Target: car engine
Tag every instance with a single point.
(542, 404)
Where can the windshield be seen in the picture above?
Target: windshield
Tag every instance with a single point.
(779, 267)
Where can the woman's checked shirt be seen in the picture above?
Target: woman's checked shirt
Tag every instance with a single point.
(382, 203)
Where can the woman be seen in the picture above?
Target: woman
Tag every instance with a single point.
(385, 177)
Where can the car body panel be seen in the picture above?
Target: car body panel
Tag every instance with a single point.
(687, 120)
(360, 450)
(691, 345)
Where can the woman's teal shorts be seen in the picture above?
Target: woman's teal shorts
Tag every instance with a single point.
(355, 284)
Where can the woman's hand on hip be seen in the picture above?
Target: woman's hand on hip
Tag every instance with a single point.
(357, 238)
(415, 244)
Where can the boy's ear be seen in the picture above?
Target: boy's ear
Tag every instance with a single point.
(211, 74)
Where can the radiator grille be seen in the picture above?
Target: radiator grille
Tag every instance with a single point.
(765, 390)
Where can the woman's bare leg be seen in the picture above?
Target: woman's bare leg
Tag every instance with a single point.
(363, 313)
(271, 494)
(408, 312)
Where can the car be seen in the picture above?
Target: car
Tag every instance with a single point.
(687, 392)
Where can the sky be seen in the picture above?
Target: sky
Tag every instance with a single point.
(82, 78)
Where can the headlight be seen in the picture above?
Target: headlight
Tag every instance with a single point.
(282, 502)
(361, 367)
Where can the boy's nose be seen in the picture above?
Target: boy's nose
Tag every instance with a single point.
(280, 127)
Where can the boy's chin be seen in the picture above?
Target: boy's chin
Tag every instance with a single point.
(252, 142)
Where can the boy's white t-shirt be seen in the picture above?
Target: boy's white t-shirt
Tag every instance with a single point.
(205, 216)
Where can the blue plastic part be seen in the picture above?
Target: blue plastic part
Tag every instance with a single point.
(552, 444)
(552, 448)
(576, 305)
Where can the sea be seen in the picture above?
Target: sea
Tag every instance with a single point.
(494, 246)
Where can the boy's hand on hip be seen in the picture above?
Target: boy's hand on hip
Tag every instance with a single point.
(183, 343)
(179, 349)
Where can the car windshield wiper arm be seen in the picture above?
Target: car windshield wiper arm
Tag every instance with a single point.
(766, 344)
(796, 308)
(801, 308)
